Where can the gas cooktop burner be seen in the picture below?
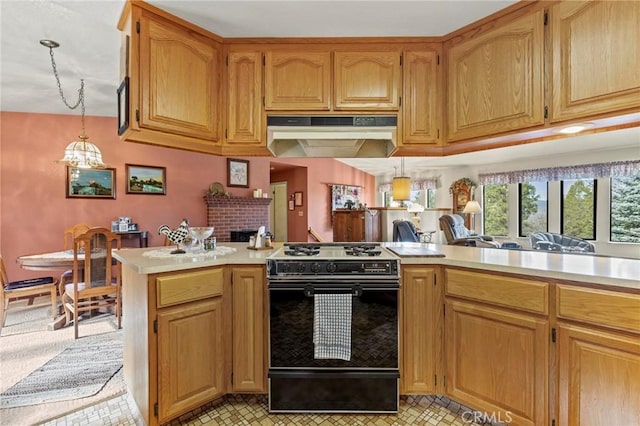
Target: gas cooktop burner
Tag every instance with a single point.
(364, 250)
(302, 250)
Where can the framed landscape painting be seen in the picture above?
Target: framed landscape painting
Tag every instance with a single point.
(91, 183)
(149, 180)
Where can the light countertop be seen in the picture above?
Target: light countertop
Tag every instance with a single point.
(611, 271)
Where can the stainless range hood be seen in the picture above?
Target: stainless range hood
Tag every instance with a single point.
(361, 136)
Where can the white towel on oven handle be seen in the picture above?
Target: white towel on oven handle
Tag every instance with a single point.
(332, 326)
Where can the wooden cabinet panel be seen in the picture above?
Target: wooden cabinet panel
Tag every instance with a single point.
(421, 97)
(421, 331)
(244, 113)
(179, 80)
(595, 49)
(599, 307)
(190, 357)
(599, 377)
(495, 80)
(249, 329)
(297, 80)
(180, 288)
(500, 290)
(498, 362)
(367, 80)
(356, 225)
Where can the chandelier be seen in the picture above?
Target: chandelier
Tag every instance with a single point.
(79, 153)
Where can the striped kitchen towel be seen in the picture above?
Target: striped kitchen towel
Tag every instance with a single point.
(332, 326)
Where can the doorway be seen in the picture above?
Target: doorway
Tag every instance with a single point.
(278, 211)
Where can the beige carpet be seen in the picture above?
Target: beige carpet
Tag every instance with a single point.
(26, 344)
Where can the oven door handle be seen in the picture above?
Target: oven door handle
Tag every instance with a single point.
(356, 290)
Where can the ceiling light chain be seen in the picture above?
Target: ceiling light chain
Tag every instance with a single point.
(80, 153)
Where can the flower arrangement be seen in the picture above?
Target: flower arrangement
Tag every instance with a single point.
(457, 185)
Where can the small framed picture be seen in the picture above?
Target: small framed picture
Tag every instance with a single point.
(237, 173)
(290, 204)
(123, 106)
(298, 199)
(146, 179)
(91, 183)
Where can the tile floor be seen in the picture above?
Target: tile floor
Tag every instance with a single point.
(253, 410)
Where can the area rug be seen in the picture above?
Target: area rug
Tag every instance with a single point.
(27, 343)
(80, 370)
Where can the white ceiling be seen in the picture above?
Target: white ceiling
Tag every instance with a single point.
(90, 45)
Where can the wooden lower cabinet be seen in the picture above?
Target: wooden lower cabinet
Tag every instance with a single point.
(421, 331)
(356, 225)
(249, 329)
(497, 362)
(598, 377)
(190, 357)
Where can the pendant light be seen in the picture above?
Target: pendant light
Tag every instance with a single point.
(401, 185)
(79, 153)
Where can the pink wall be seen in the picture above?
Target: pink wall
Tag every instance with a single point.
(34, 211)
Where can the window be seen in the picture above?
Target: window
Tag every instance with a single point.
(496, 211)
(424, 197)
(533, 212)
(625, 213)
(578, 208)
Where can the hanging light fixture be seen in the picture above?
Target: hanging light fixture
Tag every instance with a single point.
(401, 185)
(80, 153)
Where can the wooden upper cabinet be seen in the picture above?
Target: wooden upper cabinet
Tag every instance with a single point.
(495, 80)
(179, 79)
(595, 49)
(244, 85)
(297, 80)
(367, 80)
(420, 93)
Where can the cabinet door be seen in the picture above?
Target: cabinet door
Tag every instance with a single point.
(190, 357)
(341, 226)
(495, 80)
(497, 362)
(249, 329)
(421, 330)
(367, 80)
(421, 97)
(297, 80)
(598, 377)
(179, 80)
(357, 225)
(244, 115)
(595, 58)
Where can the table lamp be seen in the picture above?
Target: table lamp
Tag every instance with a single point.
(472, 207)
(415, 208)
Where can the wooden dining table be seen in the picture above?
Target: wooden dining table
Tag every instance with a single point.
(51, 261)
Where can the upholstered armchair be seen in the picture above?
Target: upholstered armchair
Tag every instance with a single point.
(559, 242)
(458, 235)
(404, 230)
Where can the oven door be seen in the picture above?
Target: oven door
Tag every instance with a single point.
(374, 325)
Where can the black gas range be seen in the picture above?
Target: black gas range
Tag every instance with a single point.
(351, 366)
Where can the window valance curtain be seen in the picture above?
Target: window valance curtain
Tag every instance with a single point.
(584, 171)
(416, 185)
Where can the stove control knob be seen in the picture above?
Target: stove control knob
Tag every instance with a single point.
(301, 268)
(332, 267)
(315, 268)
(284, 267)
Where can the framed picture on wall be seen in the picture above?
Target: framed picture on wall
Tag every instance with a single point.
(91, 183)
(237, 173)
(298, 198)
(123, 106)
(146, 179)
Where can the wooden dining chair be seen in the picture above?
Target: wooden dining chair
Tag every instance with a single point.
(26, 289)
(96, 277)
(72, 232)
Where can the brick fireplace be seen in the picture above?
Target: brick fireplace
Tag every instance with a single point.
(229, 213)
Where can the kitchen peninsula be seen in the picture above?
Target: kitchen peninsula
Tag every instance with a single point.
(559, 334)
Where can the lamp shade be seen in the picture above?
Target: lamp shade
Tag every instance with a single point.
(401, 188)
(82, 154)
(472, 207)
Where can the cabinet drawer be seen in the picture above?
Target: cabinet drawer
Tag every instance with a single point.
(180, 288)
(600, 307)
(500, 290)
